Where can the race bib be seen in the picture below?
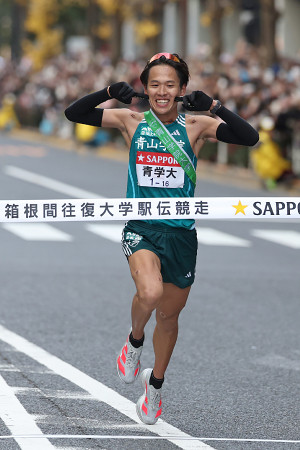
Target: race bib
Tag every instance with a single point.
(158, 170)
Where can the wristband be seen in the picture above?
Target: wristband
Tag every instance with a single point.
(216, 107)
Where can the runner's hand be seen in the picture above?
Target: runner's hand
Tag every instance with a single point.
(197, 101)
(121, 91)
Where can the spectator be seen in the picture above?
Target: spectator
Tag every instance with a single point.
(241, 84)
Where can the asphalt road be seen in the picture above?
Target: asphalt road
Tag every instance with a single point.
(235, 370)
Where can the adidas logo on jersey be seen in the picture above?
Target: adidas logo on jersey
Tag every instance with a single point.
(175, 133)
(188, 275)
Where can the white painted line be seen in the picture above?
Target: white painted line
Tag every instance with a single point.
(155, 438)
(210, 236)
(207, 236)
(289, 238)
(19, 422)
(49, 419)
(23, 369)
(52, 393)
(112, 232)
(48, 183)
(37, 232)
(8, 368)
(54, 420)
(97, 389)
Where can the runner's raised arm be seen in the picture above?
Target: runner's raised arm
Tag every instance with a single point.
(235, 130)
(85, 109)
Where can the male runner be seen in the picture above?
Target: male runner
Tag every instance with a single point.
(161, 253)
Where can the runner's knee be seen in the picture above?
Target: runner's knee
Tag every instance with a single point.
(150, 296)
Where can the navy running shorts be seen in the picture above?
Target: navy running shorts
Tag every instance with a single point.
(175, 247)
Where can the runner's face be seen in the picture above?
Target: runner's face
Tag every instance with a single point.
(163, 86)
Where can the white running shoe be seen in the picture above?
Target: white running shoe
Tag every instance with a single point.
(128, 362)
(148, 407)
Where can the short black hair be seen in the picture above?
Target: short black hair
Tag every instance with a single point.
(181, 68)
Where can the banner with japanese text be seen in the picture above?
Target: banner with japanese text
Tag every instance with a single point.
(149, 209)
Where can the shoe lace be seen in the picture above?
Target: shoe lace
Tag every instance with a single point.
(155, 397)
(131, 358)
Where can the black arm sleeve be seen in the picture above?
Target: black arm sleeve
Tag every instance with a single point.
(84, 110)
(236, 130)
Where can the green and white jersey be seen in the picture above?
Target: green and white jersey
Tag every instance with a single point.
(154, 172)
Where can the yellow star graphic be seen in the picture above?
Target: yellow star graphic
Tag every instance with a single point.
(240, 208)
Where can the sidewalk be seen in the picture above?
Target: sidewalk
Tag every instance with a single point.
(218, 173)
(241, 177)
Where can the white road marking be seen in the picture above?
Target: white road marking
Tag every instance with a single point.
(289, 238)
(48, 183)
(207, 236)
(52, 393)
(37, 232)
(112, 232)
(23, 369)
(97, 390)
(210, 236)
(53, 420)
(155, 438)
(48, 419)
(8, 368)
(19, 422)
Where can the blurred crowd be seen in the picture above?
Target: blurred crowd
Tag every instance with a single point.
(38, 99)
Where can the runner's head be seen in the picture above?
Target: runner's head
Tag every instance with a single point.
(170, 59)
(165, 77)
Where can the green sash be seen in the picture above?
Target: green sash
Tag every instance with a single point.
(171, 145)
